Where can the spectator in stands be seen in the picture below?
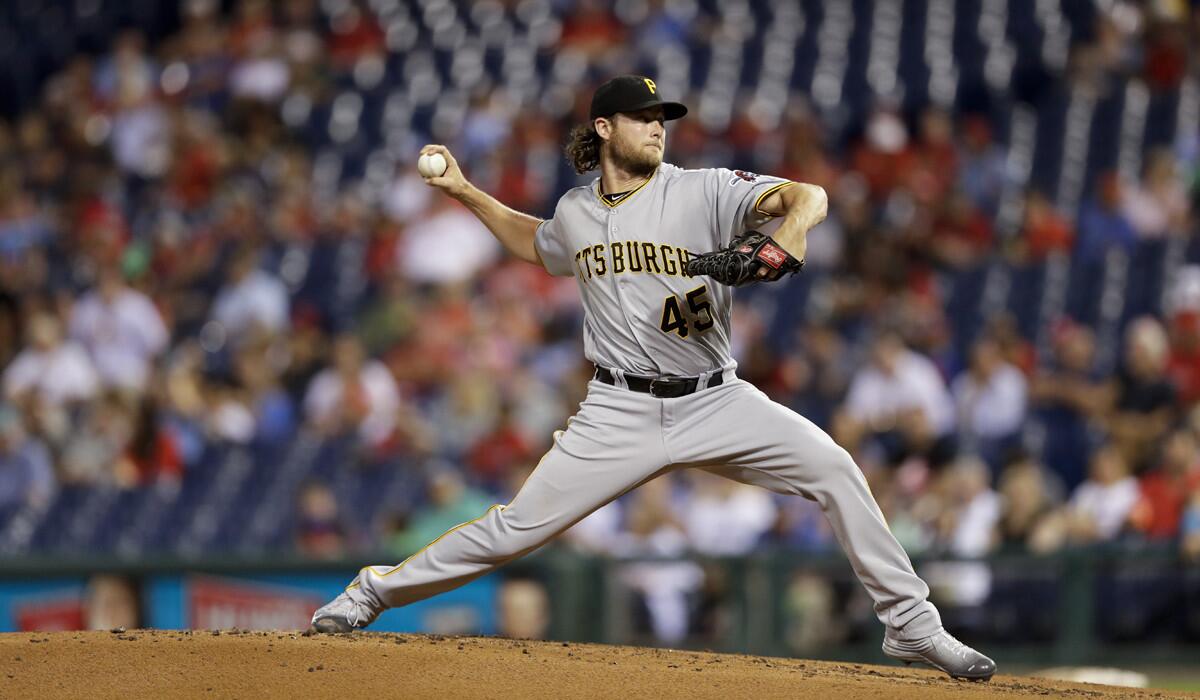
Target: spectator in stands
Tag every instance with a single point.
(1102, 223)
(1069, 398)
(126, 68)
(25, 226)
(464, 413)
(600, 531)
(205, 53)
(965, 526)
(335, 263)
(354, 34)
(253, 302)
(307, 348)
(26, 472)
(800, 525)
(1030, 498)
(900, 493)
(1100, 508)
(319, 530)
(261, 73)
(451, 503)
(991, 399)
(500, 450)
(1046, 232)
(666, 589)
(450, 227)
(50, 374)
(360, 395)
(813, 377)
(273, 410)
(201, 152)
(592, 28)
(900, 401)
(184, 407)
(665, 24)
(121, 330)
(1143, 400)
(984, 173)
(885, 155)
(45, 165)
(806, 158)
(934, 167)
(228, 417)
(1184, 365)
(393, 316)
(1015, 348)
(252, 21)
(722, 517)
(1167, 42)
(538, 406)
(152, 455)
(128, 80)
(91, 453)
(961, 236)
(1157, 206)
(1165, 490)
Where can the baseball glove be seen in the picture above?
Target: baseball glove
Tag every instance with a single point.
(739, 263)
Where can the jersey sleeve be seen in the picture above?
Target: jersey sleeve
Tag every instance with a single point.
(551, 247)
(738, 195)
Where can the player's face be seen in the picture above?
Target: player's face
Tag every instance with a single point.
(638, 140)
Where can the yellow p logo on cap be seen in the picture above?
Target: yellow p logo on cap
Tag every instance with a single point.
(650, 84)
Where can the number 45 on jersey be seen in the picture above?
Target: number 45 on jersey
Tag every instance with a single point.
(698, 316)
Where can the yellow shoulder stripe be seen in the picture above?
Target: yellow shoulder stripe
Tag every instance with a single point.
(758, 202)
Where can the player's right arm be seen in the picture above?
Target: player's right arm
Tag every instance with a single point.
(513, 229)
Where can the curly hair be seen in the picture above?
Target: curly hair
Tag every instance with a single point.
(583, 148)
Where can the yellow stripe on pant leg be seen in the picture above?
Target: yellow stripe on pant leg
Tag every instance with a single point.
(554, 438)
(439, 539)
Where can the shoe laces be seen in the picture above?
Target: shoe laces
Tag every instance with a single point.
(954, 646)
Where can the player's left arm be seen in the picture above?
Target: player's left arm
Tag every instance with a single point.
(802, 206)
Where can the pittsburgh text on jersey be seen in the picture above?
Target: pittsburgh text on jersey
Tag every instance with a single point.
(625, 257)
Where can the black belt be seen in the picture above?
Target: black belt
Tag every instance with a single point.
(660, 387)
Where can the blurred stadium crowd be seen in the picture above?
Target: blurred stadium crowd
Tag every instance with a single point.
(213, 243)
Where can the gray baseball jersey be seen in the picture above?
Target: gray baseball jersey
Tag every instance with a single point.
(643, 314)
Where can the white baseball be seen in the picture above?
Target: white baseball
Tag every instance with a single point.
(431, 165)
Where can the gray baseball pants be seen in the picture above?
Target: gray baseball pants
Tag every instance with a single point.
(620, 439)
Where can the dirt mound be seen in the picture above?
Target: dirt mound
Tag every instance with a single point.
(259, 665)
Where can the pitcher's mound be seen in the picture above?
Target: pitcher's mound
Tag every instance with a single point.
(264, 665)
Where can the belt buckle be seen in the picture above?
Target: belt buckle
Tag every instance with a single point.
(671, 387)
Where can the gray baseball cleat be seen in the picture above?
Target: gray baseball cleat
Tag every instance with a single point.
(943, 652)
(341, 615)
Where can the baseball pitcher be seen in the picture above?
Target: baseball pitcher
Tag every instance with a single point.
(665, 394)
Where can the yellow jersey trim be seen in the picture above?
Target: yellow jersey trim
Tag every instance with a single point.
(628, 195)
(768, 193)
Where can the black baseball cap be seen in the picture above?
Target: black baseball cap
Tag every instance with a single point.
(629, 93)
